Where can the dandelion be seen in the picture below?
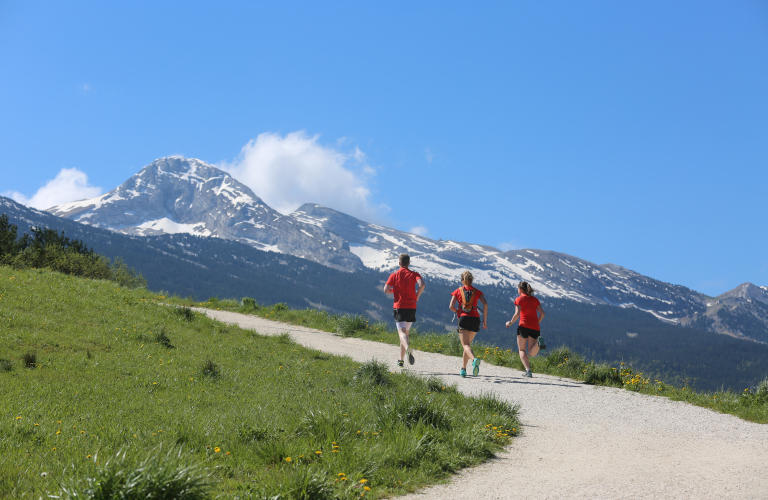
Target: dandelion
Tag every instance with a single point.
(366, 488)
(363, 481)
(89, 456)
(18, 418)
(58, 431)
(53, 449)
(341, 474)
(288, 459)
(318, 453)
(228, 453)
(216, 450)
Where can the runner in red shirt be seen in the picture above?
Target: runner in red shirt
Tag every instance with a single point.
(407, 286)
(528, 309)
(464, 303)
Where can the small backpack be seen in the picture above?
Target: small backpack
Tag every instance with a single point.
(466, 299)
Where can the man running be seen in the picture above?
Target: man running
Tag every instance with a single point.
(407, 286)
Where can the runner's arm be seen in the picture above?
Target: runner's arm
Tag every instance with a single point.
(485, 311)
(388, 289)
(514, 318)
(452, 305)
(419, 290)
(541, 313)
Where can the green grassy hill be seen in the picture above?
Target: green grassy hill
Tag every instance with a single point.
(90, 371)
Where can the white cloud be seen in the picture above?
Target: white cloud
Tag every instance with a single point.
(429, 155)
(420, 230)
(287, 172)
(509, 245)
(69, 185)
(85, 87)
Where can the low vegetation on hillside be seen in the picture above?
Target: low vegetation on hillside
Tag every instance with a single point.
(750, 404)
(106, 393)
(46, 248)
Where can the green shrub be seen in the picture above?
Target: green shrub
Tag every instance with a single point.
(280, 306)
(250, 303)
(6, 365)
(126, 276)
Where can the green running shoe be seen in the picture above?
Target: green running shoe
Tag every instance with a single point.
(542, 344)
(463, 372)
(400, 363)
(475, 366)
(411, 359)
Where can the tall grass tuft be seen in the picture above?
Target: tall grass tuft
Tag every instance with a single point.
(186, 313)
(6, 365)
(162, 338)
(373, 372)
(159, 476)
(299, 483)
(415, 410)
(29, 359)
(210, 369)
(348, 326)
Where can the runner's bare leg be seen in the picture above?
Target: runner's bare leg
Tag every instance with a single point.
(466, 341)
(404, 341)
(521, 345)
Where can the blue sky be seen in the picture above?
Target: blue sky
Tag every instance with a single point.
(634, 133)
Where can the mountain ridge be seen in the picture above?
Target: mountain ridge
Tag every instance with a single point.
(175, 194)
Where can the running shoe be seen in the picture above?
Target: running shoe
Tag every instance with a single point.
(542, 344)
(411, 359)
(400, 363)
(463, 372)
(528, 374)
(475, 366)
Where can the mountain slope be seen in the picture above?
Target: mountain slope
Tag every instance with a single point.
(179, 195)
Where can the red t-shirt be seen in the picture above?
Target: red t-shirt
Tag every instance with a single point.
(528, 317)
(403, 283)
(475, 312)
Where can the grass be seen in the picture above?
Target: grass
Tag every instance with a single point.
(127, 398)
(750, 404)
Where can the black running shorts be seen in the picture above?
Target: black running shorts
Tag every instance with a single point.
(405, 315)
(470, 323)
(528, 332)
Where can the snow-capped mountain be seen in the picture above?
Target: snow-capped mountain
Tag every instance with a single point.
(179, 195)
(551, 274)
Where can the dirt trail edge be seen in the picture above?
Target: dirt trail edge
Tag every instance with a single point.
(578, 441)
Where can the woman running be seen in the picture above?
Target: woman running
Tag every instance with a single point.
(464, 304)
(528, 309)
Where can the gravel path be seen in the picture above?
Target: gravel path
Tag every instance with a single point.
(579, 441)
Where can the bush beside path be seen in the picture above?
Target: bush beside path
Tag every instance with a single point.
(578, 440)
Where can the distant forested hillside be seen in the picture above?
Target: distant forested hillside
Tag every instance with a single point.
(204, 267)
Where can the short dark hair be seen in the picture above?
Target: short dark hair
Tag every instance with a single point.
(405, 260)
